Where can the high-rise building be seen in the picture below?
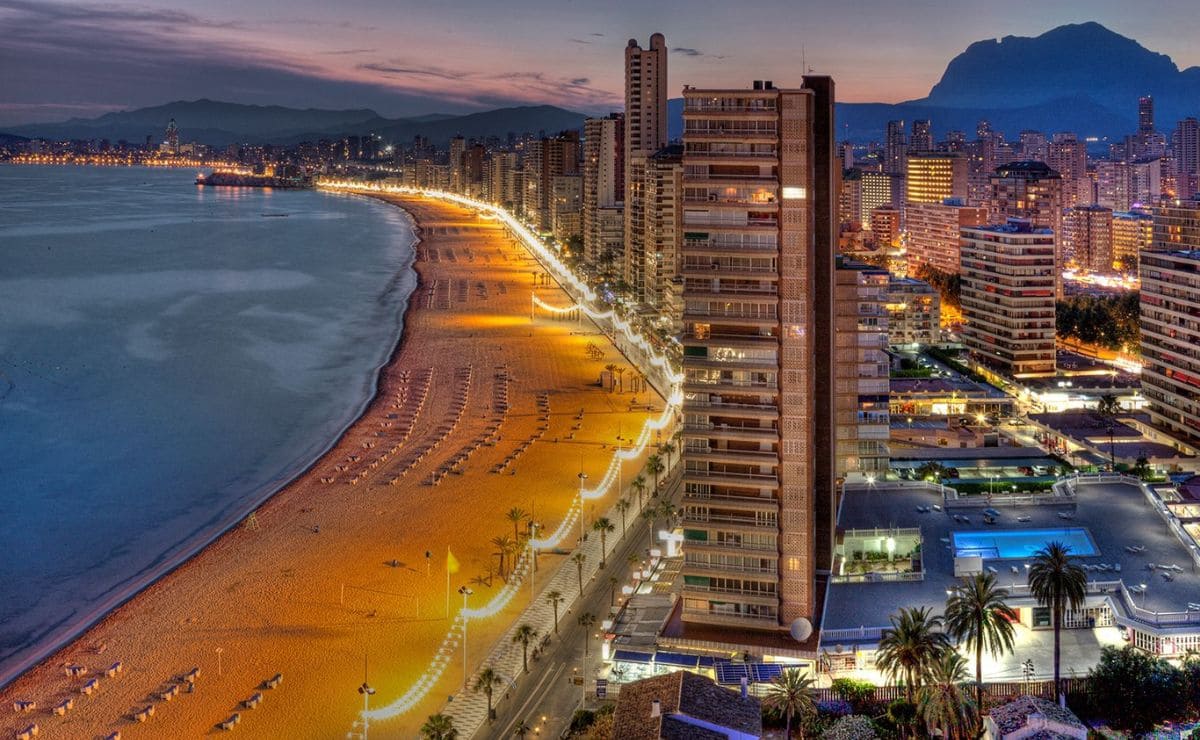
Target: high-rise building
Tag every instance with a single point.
(878, 189)
(1145, 115)
(1008, 293)
(921, 139)
(932, 178)
(885, 226)
(171, 138)
(603, 190)
(861, 369)
(933, 233)
(1125, 184)
(660, 215)
(645, 133)
(850, 198)
(1067, 156)
(1088, 238)
(914, 310)
(1185, 144)
(546, 159)
(1132, 232)
(895, 148)
(503, 169)
(759, 441)
(1170, 288)
(458, 148)
(1177, 226)
(1034, 146)
(566, 207)
(1033, 191)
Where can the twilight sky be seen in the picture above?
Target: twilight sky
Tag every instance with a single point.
(84, 58)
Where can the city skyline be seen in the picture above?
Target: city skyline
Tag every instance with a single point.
(67, 60)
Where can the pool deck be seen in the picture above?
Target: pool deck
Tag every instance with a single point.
(1116, 515)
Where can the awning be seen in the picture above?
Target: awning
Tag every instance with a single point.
(731, 674)
(629, 656)
(677, 659)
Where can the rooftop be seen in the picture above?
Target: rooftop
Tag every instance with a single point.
(682, 696)
(1116, 514)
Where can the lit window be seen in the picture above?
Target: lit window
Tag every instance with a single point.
(793, 193)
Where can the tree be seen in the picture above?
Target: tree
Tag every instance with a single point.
(579, 558)
(439, 727)
(516, 515)
(504, 545)
(1108, 408)
(1134, 690)
(623, 506)
(486, 682)
(942, 703)
(978, 617)
(1060, 584)
(654, 465)
(1141, 468)
(791, 693)
(586, 620)
(612, 376)
(857, 693)
(604, 527)
(910, 646)
(522, 729)
(639, 485)
(668, 511)
(524, 635)
(666, 449)
(650, 514)
(554, 598)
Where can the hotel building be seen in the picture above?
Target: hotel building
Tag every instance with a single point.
(603, 189)
(914, 313)
(1132, 232)
(645, 134)
(932, 178)
(1008, 277)
(759, 227)
(861, 369)
(1088, 238)
(1030, 191)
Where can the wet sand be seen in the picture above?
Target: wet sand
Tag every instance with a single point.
(332, 570)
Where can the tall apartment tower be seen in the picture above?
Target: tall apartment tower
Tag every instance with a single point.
(458, 149)
(933, 233)
(1088, 238)
(921, 139)
(660, 215)
(1170, 287)
(1067, 156)
(645, 133)
(1186, 144)
(1032, 191)
(1008, 283)
(1145, 115)
(932, 178)
(603, 190)
(895, 148)
(759, 232)
(861, 369)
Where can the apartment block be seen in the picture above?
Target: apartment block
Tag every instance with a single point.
(603, 190)
(1088, 238)
(759, 213)
(645, 133)
(1008, 293)
(932, 178)
(861, 369)
(933, 233)
(1170, 322)
(914, 311)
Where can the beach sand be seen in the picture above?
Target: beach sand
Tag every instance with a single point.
(328, 573)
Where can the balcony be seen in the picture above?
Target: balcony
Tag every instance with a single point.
(745, 597)
(731, 547)
(748, 410)
(746, 621)
(747, 503)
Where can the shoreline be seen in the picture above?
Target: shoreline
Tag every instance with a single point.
(180, 555)
(276, 598)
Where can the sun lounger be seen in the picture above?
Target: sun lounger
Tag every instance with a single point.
(75, 670)
(114, 735)
(64, 706)
(1014, 569)
(937, 508)
(90, 686)
(993, 571)
(230, 723)
(254, 700)
(190, 676)
(274, 681)
(31, 731)
(22, 707)
(143, 714)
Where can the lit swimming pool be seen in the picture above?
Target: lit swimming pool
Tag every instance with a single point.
(1012, 544)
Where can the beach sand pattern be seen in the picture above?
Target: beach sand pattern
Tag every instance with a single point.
(334, 570)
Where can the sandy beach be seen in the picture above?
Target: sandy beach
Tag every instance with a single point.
(332, 572)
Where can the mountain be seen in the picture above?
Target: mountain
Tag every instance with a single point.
(1082, 78)
(219, 123)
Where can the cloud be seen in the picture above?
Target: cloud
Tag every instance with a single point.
(410, 71)
(595, 34)
(578, 41)
(686, 51)
(579, 81)
(346, 52)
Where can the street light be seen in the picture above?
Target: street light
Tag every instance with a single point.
(582, 478)
(366, 692)
(465, 591)
(1142, 591)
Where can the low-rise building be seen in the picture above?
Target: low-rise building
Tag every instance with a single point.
(914, 313)
(685, 705)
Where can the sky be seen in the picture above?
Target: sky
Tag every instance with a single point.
(84, 58)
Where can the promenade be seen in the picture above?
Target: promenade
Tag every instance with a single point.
(481, 410)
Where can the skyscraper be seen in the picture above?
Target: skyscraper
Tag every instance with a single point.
(603, 190)
(758, 343)
(933, 233)
(1008, 286)
(1088, 238)
(645, 133)
(1186, 145)
(1067, 156)
(922, 136)
(861, 369)
(1033, 191)
(932, 178)
(895, 148)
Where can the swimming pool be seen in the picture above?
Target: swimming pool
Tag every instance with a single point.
(1011, 544)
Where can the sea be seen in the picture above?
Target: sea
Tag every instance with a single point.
(170, 356)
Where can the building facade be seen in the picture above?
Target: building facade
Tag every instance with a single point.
(1088, 238)
(914, 311)
(603, 190)
(1170, 292)
(1008, 279)
(861, 370)
(933, 233)
(645, 133)
(932, 178)
(758, 222)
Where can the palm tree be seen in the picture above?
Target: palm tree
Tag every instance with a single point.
(612, 590)
(586, 620)
(516, 515)
(978, 617)
(579, 558)
(554, 598)
(790, 693)
(522, 729)
(1058, 583)
(525, 634)
(910, 646)
(621, 377)
(603, 526)
(623, 506)
(654, 465)
(487, 681)
(504, 545)
(668, 511)
(612, 376)
(1108, 408)
(667, 449)
(942, 703)
(650, 514)
(639, 485)
(439, 727)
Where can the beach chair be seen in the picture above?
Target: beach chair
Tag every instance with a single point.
(114, 735)
(230, 723)
(29, 732)
(64, 706)
(254, 700)
(89, 687)
(24, 707)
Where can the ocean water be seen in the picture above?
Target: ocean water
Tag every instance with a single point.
(169, 356)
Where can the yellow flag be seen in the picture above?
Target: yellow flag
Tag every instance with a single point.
(451, 562)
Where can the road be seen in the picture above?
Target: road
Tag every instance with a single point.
(548, 691)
